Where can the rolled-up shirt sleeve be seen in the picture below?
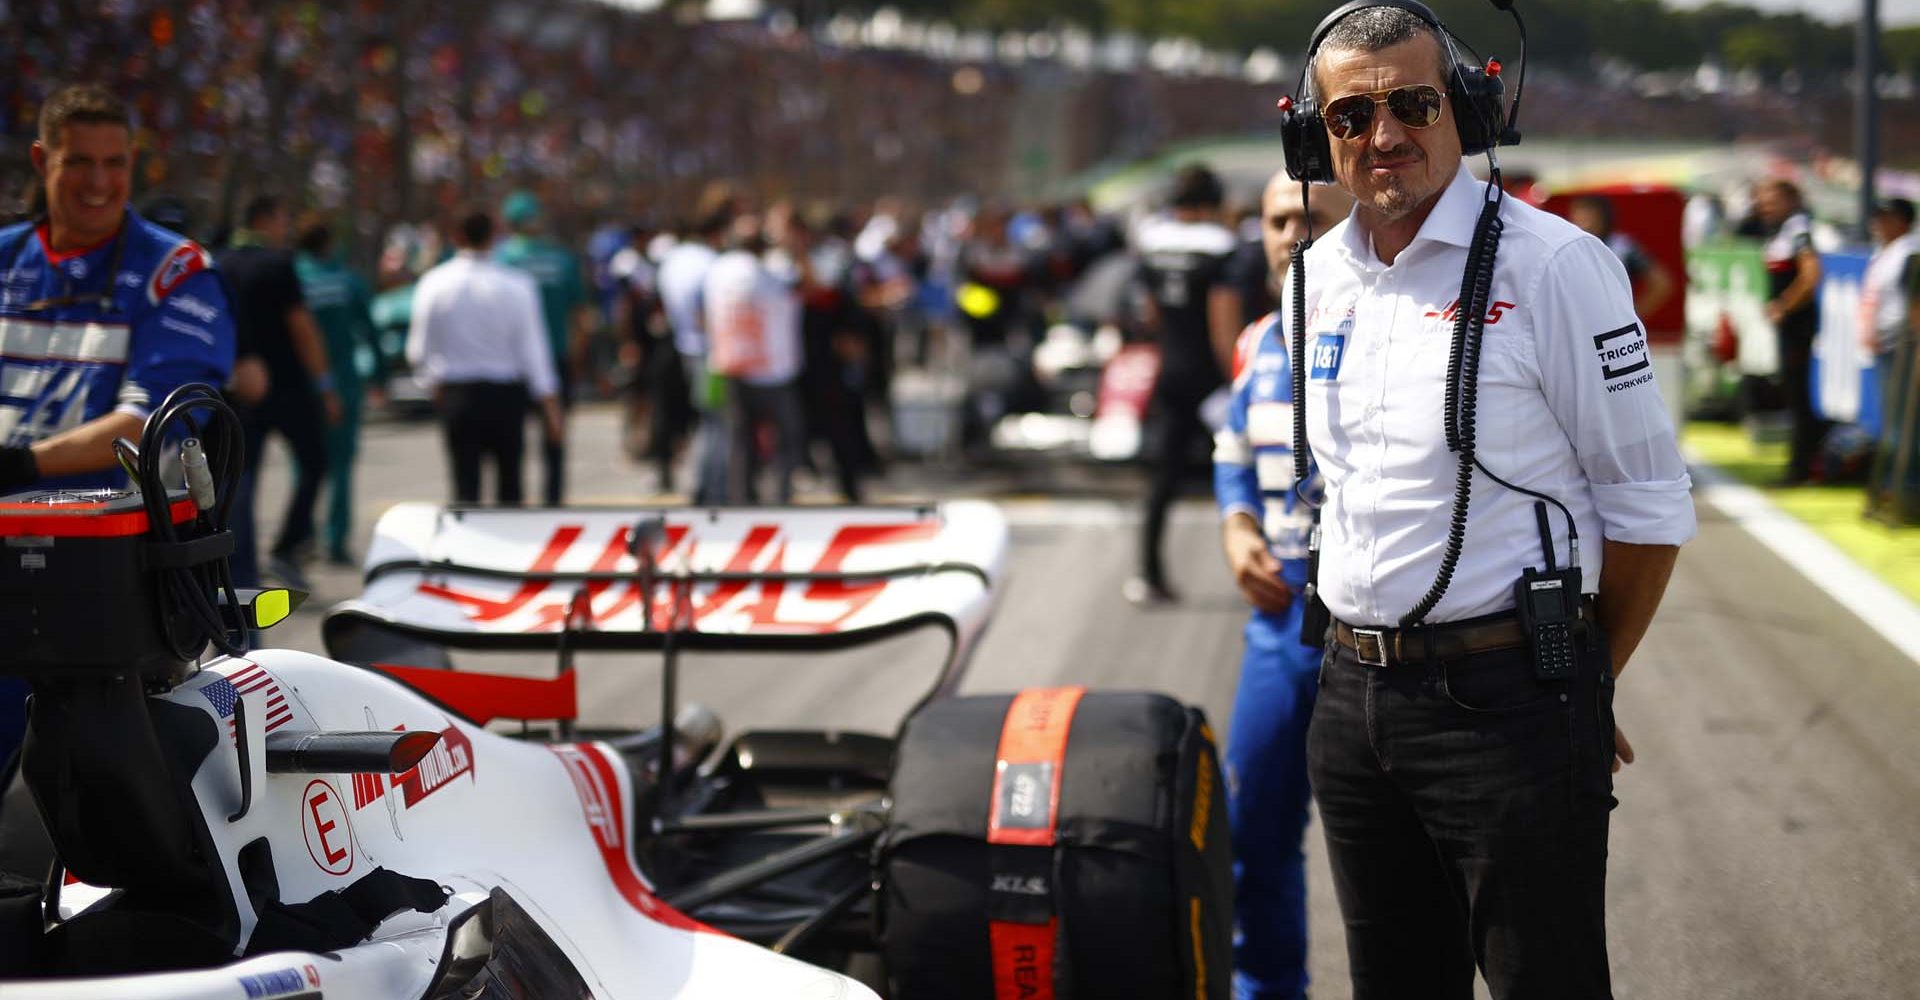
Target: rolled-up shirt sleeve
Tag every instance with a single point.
(1597, 375)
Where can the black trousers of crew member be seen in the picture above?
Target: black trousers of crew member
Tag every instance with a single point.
(1178, 402)
(1809, 429)
(835, 413)
(295, 412)
(748, 407)
(484, 421)
(1465, 806)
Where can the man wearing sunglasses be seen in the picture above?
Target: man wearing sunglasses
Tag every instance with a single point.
(102, 313)
(1461, 767)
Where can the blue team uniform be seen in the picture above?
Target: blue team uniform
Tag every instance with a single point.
(78, 342)
(1266, 755)
(111, 328)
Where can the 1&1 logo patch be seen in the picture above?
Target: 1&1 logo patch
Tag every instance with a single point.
(1324, 363)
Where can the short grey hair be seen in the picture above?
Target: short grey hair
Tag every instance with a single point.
(1371, 29)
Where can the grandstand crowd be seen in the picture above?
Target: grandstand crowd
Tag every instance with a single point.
(388, 113)
(908, 182)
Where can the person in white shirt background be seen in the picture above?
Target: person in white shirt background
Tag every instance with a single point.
(1893, 276)
(683, 272)
(1464, 783)
(751, 304)
(478, 341)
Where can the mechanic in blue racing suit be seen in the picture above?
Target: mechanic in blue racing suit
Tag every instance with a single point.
(1266, 754)
(102, 314)
(1264, 531)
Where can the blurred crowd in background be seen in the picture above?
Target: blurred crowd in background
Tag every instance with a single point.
(924, 204)
(393, 113)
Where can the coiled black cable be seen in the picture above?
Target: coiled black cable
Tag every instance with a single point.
(1298, 275)
(190, 591)
(1462, 396)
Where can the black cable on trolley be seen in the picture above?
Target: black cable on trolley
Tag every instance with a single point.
(190, 591)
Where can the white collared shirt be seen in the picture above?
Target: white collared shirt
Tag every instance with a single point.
(752, 321)
(683, 271)
(1883, 295)
(1566, 406)
(478, 321)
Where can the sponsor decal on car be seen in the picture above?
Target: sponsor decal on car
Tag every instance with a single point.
(282, 983)
(328, 831)
(449, 759)
(819, 607)
(597, 785)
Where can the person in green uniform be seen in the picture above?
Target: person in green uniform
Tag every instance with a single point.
(339, 301)
(563, 300)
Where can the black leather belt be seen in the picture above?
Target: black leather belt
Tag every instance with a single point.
(1388, 647)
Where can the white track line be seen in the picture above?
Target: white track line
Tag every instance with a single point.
(1884, 609)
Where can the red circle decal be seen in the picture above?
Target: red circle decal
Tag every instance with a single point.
(323, 818)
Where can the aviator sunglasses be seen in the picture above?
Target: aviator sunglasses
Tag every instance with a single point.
(1351, 117)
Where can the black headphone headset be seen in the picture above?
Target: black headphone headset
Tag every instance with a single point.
(1476, 93)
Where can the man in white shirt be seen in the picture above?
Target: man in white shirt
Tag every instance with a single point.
(752, 319)
(478, 340)
(1462, 773)
(683, 273)
(1885, 306)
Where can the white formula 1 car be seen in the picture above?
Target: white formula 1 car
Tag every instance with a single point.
(281, 824)
(190, 820)
(315, 828)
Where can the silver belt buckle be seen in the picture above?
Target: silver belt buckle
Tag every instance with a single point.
(1370, 646)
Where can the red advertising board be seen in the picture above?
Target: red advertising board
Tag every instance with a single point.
(1650, 214)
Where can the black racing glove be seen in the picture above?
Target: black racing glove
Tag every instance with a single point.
(18, 468)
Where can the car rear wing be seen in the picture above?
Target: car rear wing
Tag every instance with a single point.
(744, 579)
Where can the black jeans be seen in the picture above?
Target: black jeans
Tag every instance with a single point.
(1178, 403)
(749, 406)
(1465, 806)
(297, 416)
(1809, 428)
(483, 420)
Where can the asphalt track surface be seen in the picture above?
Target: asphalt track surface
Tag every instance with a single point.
(1767, 843)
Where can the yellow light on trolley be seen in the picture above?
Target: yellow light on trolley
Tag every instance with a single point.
(270, 607)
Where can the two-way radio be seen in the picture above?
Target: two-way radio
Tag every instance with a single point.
(1548, 601)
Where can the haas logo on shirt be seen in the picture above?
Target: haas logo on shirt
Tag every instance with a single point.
(180, 263)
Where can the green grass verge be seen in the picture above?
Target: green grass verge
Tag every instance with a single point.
(1890, 553)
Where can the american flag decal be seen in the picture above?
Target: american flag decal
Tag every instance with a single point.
(221, 695)
(251, 679)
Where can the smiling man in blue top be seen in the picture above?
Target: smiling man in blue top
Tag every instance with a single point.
(1264, 529)
(102, 313)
